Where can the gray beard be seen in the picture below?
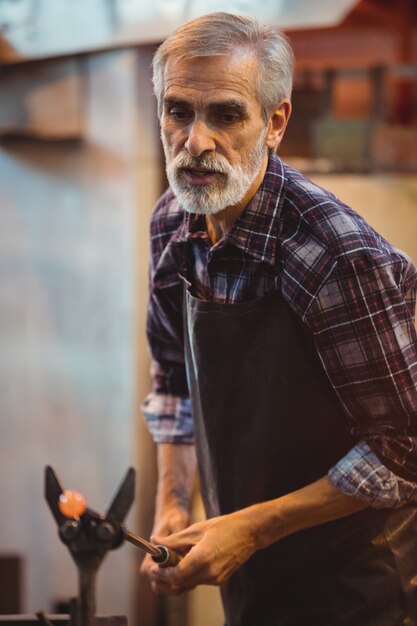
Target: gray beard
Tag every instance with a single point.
(233, 184)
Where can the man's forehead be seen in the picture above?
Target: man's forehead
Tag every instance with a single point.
(233, 75)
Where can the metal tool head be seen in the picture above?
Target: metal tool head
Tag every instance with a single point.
(122, 500)
(53, 491)
(91, 535)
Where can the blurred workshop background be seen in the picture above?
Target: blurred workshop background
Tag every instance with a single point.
(80, 169)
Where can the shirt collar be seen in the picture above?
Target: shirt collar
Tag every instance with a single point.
(256, 230)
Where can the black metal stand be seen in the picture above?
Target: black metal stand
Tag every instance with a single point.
(89, 538)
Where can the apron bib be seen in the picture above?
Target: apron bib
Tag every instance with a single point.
(266, 423)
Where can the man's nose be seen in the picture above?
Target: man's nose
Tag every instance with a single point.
(200, 139)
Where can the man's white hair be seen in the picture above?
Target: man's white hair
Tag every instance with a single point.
(218, 34)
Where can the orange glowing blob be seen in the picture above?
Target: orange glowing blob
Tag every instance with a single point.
(72, 503)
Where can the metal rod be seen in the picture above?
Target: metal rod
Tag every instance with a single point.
(142, 544)
(160, 554)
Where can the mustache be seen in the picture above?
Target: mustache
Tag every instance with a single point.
(207, 161)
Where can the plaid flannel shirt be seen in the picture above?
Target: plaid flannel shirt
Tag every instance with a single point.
(351, 288)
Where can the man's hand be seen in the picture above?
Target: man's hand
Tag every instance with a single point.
(172, 520)
(214, 550)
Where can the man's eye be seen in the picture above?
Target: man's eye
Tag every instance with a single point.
(177, 114)
(229, 117)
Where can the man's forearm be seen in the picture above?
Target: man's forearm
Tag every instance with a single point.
(176, 474)
(315, 504)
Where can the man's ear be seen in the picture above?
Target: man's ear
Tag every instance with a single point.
(277, 124)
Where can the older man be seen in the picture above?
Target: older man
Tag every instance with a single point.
(284, 353)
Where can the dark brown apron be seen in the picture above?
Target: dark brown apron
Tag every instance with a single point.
(267, 423)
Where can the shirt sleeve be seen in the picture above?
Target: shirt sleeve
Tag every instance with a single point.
(363, 323)
(168, 416)
(362, 475)
(167, 409)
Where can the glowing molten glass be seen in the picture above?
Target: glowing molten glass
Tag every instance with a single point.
(72, 503)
